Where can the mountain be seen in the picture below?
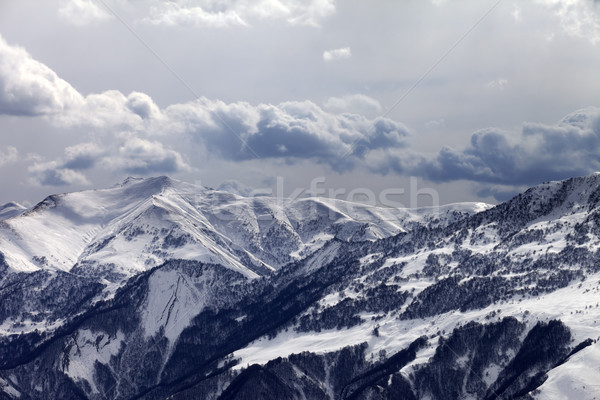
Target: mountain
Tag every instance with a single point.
(121, 231)
(10, 210)
(159, 289)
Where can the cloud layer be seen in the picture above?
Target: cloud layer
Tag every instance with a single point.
(133, 135)
(539, 152)
(291, 130)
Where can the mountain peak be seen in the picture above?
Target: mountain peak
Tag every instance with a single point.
(11, 209)
(156, 181)
(130, 180)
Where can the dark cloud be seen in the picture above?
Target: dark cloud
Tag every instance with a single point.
(541, 152)
(289, 131)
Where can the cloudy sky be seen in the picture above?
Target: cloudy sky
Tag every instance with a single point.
(473, 99)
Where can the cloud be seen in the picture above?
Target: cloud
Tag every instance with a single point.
(111, 110)
(233, 131)
(516, 13)
(28, 87)
(173, 14)
(307, 13)
(82, 156)
(578, 18)
(497, 84)
(67, 170)
(82, 12)
(8, 155)
(540, 152)
(291, 130)
(238, 188)
(126, 154)
(221, 14)
(143, 157)
(337, 54)
(435, 123)
(499, 192)
(132, 135)
(142, 105)
(53, 174)
(354, 103)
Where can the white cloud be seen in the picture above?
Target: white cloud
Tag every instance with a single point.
(579, 18)
(435, 123)
(309, 12)
(233, 131)
(354, 103)
(337, 54)
(8, 155)
(53, 174)
(82, 12)
(230, 13)
(123, 153)
(144, 157)
(28, 87)
(516, 13)
(498, 84)
(112, 109)
(173, 14)
(82, 156)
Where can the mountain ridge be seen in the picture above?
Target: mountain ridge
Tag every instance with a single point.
(503, 301)
(131, 207)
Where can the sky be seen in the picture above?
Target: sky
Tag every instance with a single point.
(436, 101)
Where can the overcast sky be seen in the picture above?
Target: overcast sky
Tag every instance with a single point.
(474, 99)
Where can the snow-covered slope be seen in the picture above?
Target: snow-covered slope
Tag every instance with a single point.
(141, 223)
(354, 302)
(10, 210)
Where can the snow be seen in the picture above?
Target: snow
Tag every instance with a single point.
(128, 226)
(7, 388)
(88, 348)
(286, 343)
(10, 210)
(579, 378)
(574, 305)
(173, 300)
(122, 227)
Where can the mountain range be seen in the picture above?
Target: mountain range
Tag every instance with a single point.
(157, 289)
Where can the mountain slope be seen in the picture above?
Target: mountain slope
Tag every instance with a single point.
(499, 304)
(142, 223)
(10, 210)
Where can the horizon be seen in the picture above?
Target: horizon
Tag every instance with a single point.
(389, 198)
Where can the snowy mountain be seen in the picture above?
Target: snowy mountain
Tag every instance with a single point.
(160, 289)
(118, 232)
(10, 210)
